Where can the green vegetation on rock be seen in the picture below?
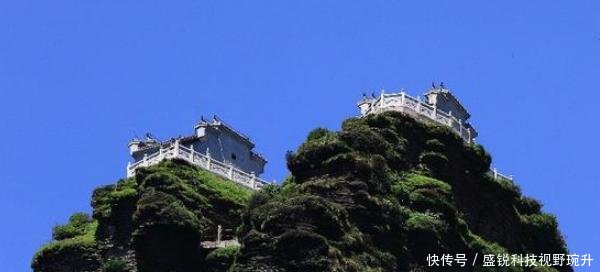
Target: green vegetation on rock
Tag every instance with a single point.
(379, 195)
(221, 259)
(382, 194)
(151, 222)
(74, 246)
(115, 266)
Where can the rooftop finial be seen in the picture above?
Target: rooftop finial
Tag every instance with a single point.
(442, 85)
(149, 136)
(433, 85)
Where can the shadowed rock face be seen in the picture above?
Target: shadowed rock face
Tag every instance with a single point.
(382, 194)
(379, 195)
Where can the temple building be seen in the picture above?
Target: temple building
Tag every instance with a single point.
(439, 105)
(214, 146)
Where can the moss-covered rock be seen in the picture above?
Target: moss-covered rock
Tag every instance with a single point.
(391, 190)
(154, 221)
(379, 195)
(74, 247)
(221, 259)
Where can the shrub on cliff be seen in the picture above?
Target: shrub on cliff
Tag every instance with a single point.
(79, 224)
(74, 247)
(221, 259)
(116, 265)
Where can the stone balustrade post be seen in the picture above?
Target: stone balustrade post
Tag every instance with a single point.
(434, 112)
(176, 148)
(418, 104)
(145, 158)
(208, 161)
(469, 133)
(495, 173)
(231, 171)
(219, 230)
(253, 180)
(192, 152)
(402, 98)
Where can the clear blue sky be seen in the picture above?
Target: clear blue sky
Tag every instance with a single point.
(79, 78)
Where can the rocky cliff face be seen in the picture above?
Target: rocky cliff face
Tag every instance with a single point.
(379, 195)
(152, 222)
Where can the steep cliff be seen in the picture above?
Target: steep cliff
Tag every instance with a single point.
(152, 222)
(379, 195)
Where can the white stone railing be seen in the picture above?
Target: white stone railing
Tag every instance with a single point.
(219, 243)
(497, 175)
(405, 103)
(203, 161)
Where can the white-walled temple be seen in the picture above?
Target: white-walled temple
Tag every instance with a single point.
(214, 146)
(439, 105)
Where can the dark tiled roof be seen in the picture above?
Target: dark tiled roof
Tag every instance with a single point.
(448, 94)
(220, 124)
